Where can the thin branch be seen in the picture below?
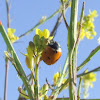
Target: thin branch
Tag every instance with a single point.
(6, 60)
(63, 85)
(38, 24)
(63, 13)
(58, 22)
(6, 78)
(49, 85)
(93, 52)
(8, 14)
(94, 70)
(80, 25)
(53, 32)
(13, 62)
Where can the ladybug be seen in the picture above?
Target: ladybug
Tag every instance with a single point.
(51, 53)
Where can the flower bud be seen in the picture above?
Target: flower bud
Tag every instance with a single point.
(44, 90)
(30, 61)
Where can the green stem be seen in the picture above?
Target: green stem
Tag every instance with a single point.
(18, 64)
(94, 70)
(59, 82)
(38, 24)
(63, 72)
(79, 89)
(72, 33)
(64, 85)
(89, 58)
(36, 87)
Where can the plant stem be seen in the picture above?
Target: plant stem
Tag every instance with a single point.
(6, 79)
(75, 52)
(80, 26)
(17, 62)
(94, 70)
(53, 32)
(38, 24)
(72, 55)
(63, 72)
(72, 33)
(63, 85)
(8, 14)
(79, 89)
(63, 13)
(93, 52)
(6, 60)
(36, 86)
(56, 91)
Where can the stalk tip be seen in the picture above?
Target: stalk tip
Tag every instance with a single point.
(0, 23)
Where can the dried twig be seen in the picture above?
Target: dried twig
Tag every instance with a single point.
(49, 85)
(59, 20)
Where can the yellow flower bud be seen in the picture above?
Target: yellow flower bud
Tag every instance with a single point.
(44, 90)
(30, 61)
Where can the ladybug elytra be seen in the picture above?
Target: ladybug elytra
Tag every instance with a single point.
(51, 53)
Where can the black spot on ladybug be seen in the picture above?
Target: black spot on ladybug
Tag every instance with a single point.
(49, 58)
(55, 51)
(45, 52)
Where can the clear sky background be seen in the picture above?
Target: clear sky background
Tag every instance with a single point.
(25, 14)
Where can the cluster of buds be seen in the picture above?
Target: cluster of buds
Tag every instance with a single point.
(36, 47)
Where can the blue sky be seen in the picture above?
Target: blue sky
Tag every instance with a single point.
(25, 14)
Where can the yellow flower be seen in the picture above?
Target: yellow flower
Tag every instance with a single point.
(93, 14)
(45, 33)
(11, 35)
(89, 79)
(56, 78)
(88, 82)
(88, 26)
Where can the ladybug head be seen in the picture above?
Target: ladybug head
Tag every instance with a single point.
(54, 45)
